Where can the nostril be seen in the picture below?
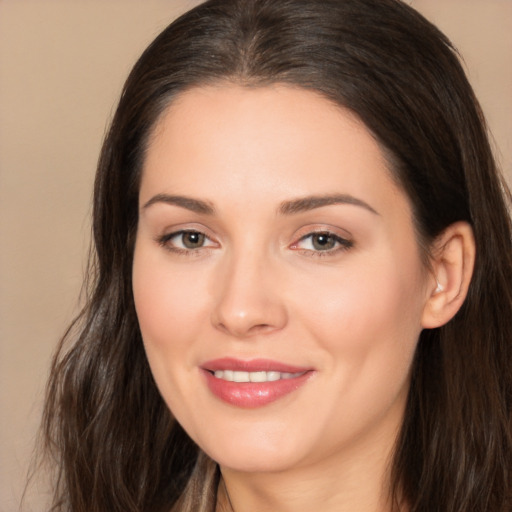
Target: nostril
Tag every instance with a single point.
(261, 328)
(242, 312)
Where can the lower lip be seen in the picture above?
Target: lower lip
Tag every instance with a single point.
(253, 394)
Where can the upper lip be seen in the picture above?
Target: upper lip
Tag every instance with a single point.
(253, 365)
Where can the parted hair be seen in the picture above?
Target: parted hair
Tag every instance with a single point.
(115, 445)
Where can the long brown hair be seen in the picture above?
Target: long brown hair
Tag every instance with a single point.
(116, 444)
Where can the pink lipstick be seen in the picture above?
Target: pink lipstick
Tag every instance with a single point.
(253, 383)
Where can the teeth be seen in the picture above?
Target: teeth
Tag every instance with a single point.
(258, 376)
(236, 376)
(241, 376)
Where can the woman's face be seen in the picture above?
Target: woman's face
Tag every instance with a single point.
(277, 280)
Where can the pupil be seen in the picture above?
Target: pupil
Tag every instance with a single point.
(323, 242)
(193, 240)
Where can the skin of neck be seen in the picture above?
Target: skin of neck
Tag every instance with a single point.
(355, 478)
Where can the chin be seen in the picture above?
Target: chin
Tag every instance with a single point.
(252, 462)
(257, 450)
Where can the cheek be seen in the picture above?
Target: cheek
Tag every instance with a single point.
(169, 310)
(368, 330)
(368, 317)
(168, 304)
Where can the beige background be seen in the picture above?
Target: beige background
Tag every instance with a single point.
(62, 64)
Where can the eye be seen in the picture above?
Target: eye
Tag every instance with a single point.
(186, 240)
(322, 241)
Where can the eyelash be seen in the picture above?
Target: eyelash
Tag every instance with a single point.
(342, 244)
(165, 239)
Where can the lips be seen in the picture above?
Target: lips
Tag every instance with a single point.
(255, 383)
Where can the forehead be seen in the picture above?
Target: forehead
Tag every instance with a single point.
(263, 143)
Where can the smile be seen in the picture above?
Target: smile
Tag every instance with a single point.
(254, 383)
(262, 376)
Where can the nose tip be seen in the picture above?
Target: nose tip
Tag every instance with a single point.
(248, 303)
(241, 325)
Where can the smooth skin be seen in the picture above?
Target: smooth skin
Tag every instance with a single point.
(231, 260)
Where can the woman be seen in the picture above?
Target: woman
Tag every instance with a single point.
(301, 287)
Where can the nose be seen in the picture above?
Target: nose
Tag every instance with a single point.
(249, 301)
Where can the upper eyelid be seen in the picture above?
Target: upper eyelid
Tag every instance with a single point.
(322, 228)
(164, 239)
(170, 231)
(176, 232)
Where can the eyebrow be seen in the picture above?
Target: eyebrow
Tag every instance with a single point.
(305, 204)
(194, 205)
(292, 207)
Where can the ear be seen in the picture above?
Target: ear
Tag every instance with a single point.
(453, 259)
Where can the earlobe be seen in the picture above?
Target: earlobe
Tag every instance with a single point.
(453, 258)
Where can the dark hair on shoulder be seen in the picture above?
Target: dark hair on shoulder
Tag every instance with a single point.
(116, 444)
